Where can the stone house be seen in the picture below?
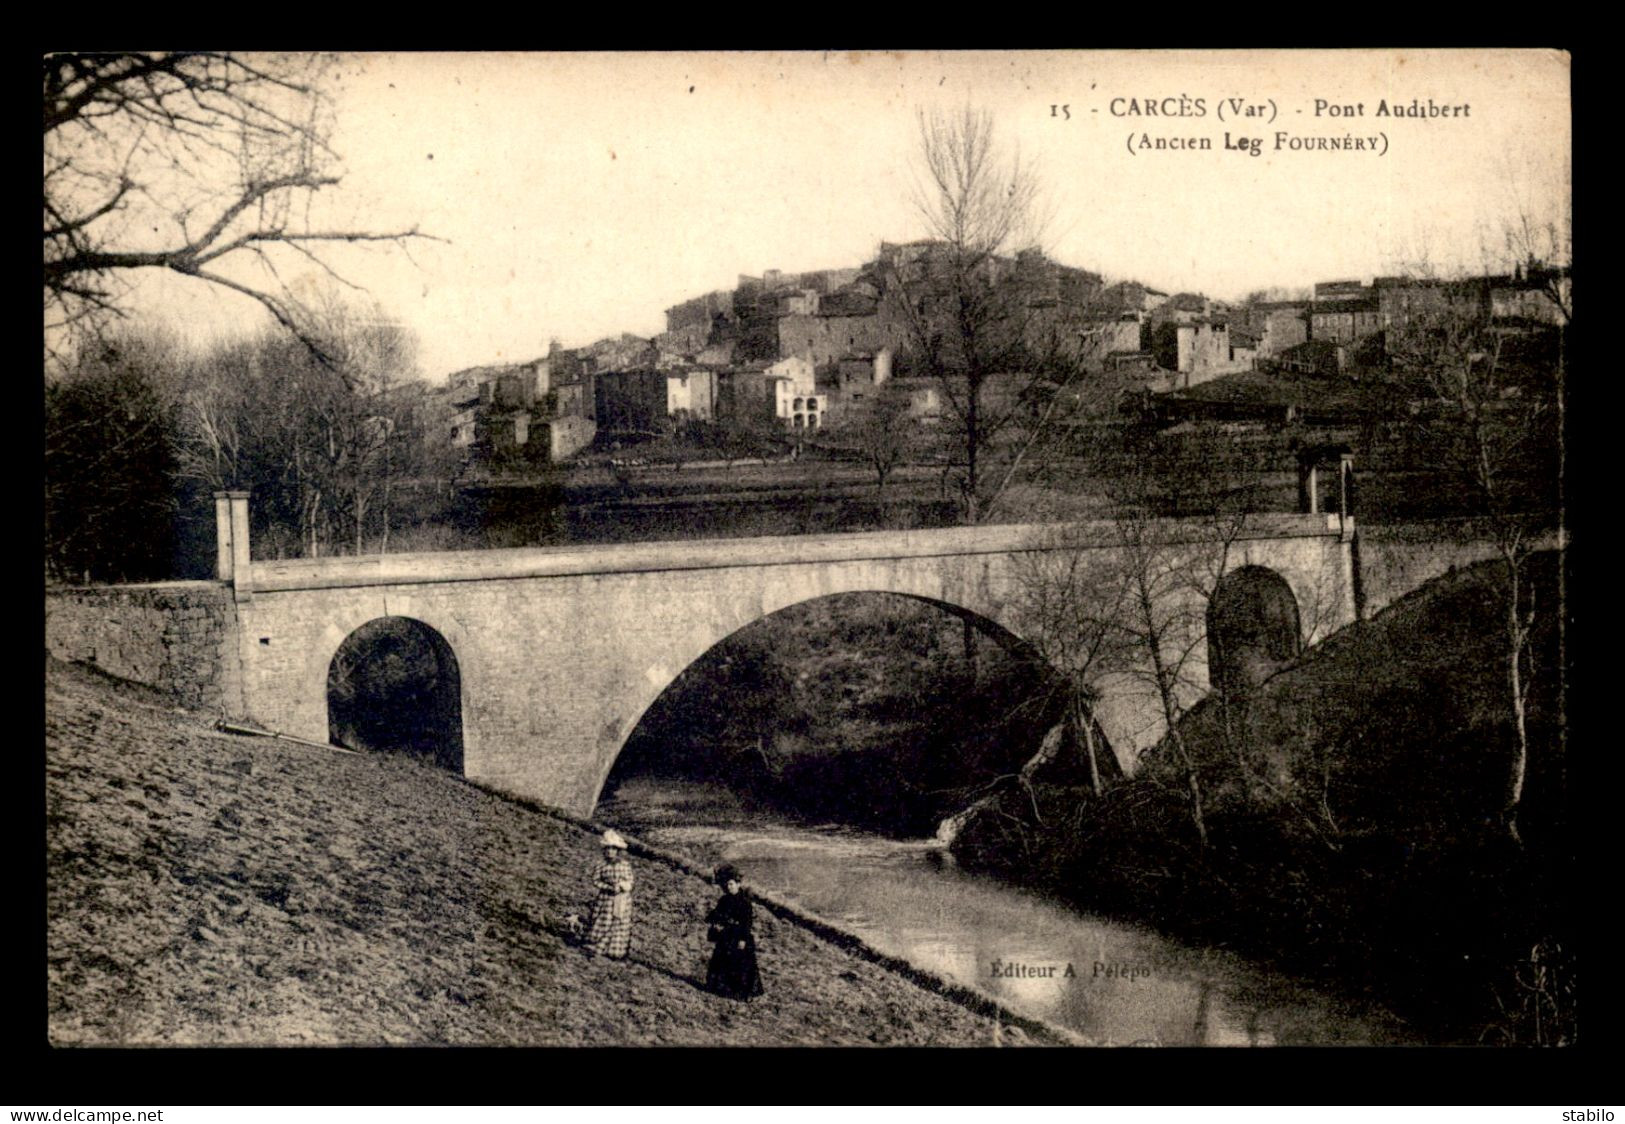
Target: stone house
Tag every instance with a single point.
(644, 400)
(631, 401)
(522, 407)
(1130, 297)
(1279, 325)
(1345, 320)
(716, 355)
(775, 393)
(855, 379)
(1104, 337)
(1195, 352)
(792, 393)
(462, 396)
(1400, 300)
(1181, 308)
(1339, 291)
(827, 339)
(1243, 349)
(1315, 357)
(563, 435)
(691, 393)
(1534, 295)
(924, 398)
(701, 312)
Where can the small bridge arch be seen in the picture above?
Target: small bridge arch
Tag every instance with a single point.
(1254, 628)
(394, 684)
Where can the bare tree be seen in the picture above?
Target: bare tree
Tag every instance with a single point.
(739, 435)
(1124, 602)
(200, 163)
(1070, 606)
(1537, 240)
(321, 443)
(1495, 432)
(884, 431)
(969, 299)
(376, 358)
(1164, 625)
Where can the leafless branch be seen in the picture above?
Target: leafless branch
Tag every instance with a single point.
(137, 146)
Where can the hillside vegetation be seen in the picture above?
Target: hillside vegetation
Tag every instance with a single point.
(1352, 809)
(209, 889)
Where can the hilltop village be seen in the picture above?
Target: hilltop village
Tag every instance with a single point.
(801, 352)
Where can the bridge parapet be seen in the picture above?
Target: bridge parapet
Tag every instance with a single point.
(538, 562)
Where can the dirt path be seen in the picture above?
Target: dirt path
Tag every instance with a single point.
(210, 889)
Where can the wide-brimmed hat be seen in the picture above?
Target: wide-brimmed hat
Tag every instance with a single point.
(613, 838)
(727, 873)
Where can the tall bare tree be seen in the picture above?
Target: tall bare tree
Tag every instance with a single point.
(1123, 602)
(1164, 623)
(1495, 432)
(968, 298)
(201, 163)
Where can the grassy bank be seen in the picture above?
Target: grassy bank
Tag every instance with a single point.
(209, 889)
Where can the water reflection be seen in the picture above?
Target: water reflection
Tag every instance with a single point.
(1103, 979)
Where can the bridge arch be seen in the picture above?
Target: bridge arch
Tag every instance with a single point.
(394, 683)
(1254, 628)
(984, 625)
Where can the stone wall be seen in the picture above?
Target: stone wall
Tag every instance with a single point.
(567, 435)
(1283, 328)
(827, 338)
(1399, 558)
(174, 636)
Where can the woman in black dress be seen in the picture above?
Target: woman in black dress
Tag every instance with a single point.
(733, 969)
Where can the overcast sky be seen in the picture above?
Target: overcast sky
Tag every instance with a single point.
(581, 195)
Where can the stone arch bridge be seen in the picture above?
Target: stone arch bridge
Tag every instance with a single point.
(559, 652)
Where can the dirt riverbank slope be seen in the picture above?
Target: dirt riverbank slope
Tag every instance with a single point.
(204, 888)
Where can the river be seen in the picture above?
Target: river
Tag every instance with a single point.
(1104, 979)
